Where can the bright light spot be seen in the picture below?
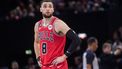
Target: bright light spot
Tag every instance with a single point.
(82, 35)
(28, 52)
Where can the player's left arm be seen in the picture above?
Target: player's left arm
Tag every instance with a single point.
(63, 29)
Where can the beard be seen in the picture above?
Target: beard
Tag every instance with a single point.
(47, 16)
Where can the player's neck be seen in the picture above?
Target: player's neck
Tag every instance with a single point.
(46, 21)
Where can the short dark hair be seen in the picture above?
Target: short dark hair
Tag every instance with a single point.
(46, 1)
(91, 40)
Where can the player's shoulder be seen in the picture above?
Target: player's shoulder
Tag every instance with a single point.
(59, 22)
(38, 22)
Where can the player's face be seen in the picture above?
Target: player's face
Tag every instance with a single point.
(47, 9)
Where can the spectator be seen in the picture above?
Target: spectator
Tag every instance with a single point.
(30, 64)
(108, 58)
(14, 65)
(78, 62)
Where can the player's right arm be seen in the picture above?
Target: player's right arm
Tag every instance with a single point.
(36, 43)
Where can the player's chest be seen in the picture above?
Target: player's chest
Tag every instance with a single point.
(46, 33)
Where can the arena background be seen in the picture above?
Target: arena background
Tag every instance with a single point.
(17, 35)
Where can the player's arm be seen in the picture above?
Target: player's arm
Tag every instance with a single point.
(36, 42)
(62, 29)
(65, 30)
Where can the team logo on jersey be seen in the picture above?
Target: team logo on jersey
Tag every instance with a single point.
(50, 27)
(46, 35)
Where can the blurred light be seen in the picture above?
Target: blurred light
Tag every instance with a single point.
(82, 35)
(28, 52)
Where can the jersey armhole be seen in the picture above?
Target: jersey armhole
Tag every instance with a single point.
(54, 31)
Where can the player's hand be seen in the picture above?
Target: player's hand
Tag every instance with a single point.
(39, 63)
(59, 60)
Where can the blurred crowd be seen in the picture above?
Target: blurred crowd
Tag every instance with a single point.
(31, 8)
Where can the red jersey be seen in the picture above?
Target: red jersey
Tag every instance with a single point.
(51, 44)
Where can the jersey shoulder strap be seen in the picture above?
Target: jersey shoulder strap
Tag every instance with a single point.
(53, 19)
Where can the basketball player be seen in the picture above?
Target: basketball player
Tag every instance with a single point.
(50, 39)
(89, 57)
